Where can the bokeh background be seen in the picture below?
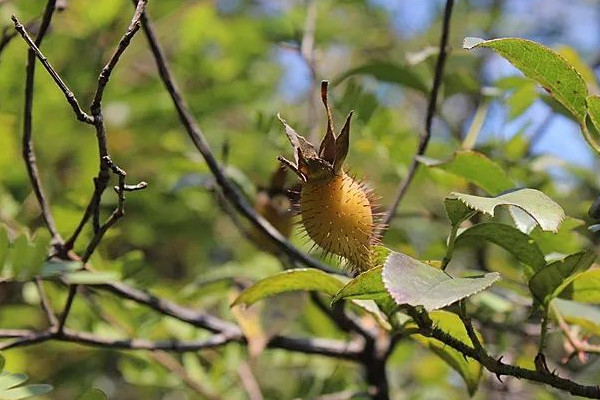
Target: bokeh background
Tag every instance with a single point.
(239, 63)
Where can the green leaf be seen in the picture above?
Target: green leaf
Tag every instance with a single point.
(2, 361)
(591, 133)
(469, 369)
(4, 245)
(511, 239)
(93, 394)
(456, 210)
(53, 268)
(90, 278)
(387, 72)
(540, 207)
(574, 313)
(8, 380)
(415, 283)
(296, 279)
(584, 287)
(546, 67)
(549, 282)
(366, 286)
(25, 392)
(476, 168)
(521, 100)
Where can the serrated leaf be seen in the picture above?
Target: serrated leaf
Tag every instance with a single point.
(549, 282)
(476, 168)
(296, 279)
(545, 66)
(584, 288)
(368, 286)
(90, 278)
(540, 207)
(25, 392)
(93, 394)
(388, 72)
(469, 369)
(415, 283)
(457, 210)
(512, 240)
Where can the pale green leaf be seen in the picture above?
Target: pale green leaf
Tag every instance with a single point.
(25, 392)
(8, 380)
(540, 207)
(584, 288)
(90, 278)
(415, 283)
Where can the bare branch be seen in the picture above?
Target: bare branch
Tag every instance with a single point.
(27, 142)
(431, 109)
(45, 303)
(195, 133)
(34, 49)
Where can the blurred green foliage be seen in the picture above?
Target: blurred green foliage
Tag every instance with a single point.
(176, 241)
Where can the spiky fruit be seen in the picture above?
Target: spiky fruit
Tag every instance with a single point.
(336, 210)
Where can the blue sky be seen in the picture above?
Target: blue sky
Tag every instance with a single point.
(575, 23)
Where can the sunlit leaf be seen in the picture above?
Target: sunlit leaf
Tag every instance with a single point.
(540, 207)
(415, 283)
(584, 287)
(476, 168)
(305, 279)
(93, 394)
(545, 66)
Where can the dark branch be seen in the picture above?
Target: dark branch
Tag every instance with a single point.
(195, 133)
(27, 142)
(34, 49)
(431, 109)
(325, 347)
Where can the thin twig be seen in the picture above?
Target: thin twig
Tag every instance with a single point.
(27, 142)
(249, 381)
(45, 303)
(431, 110)
(196, 135)
(34, 49)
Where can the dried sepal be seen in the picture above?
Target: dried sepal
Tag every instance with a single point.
(342, 144)
(327, 147)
